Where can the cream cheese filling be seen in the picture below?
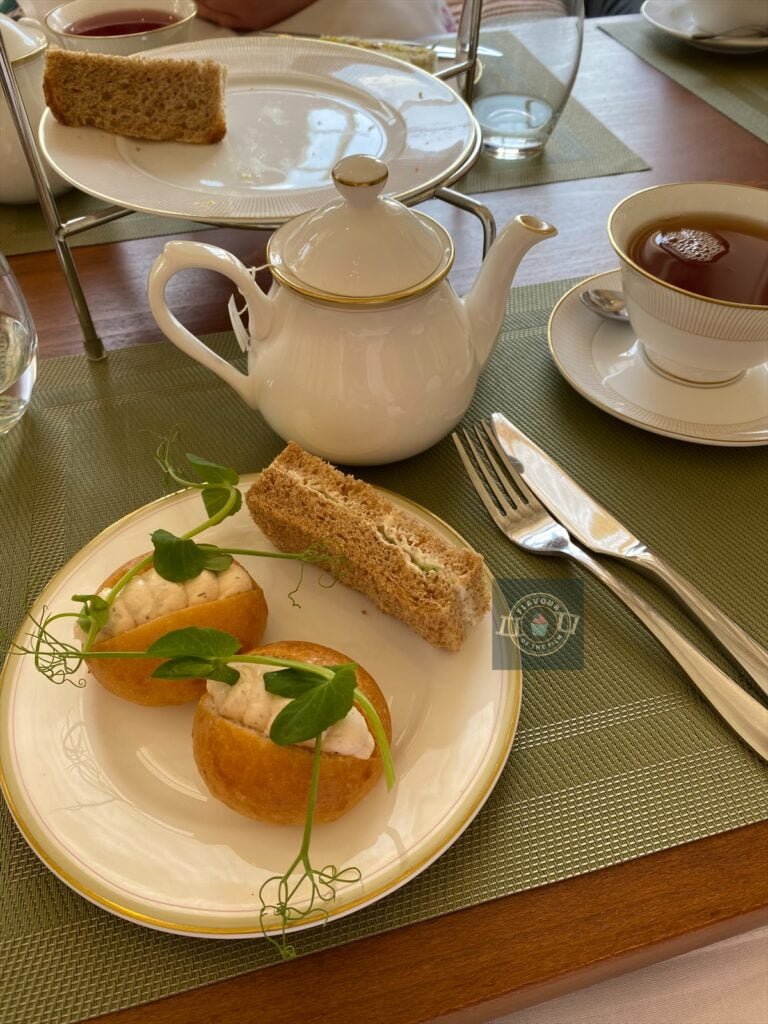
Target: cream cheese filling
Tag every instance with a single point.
(148, 596)
(250, 704)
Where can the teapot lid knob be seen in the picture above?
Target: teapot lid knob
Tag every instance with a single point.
(360, 179)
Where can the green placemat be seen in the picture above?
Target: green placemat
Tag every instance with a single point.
(610, 762)
(735, 85)
(580, 147)
(23, 228)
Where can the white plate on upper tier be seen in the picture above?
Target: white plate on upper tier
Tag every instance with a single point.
(294, 108)
(676, 19)
(604, 362)
(108, 796)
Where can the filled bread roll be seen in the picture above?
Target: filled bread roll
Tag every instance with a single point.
(243, 614)
(244, 769)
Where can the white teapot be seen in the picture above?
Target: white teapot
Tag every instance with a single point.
(361, 353)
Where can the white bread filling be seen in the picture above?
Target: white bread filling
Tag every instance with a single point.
(148, 596)
(248, 703)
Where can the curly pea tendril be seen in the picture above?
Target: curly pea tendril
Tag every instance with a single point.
(318, 695)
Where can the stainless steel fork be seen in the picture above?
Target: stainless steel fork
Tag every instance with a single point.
(523, 519)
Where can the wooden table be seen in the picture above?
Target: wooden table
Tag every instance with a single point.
(479, 963)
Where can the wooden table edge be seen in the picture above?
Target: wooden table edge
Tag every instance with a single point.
(482, 962)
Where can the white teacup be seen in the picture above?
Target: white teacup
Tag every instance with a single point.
(725, 15)
(59, 21)
(690, 337)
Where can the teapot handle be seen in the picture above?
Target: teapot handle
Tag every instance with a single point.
(178, 256)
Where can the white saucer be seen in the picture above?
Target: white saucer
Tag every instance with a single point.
(675, 19)
(604, 362)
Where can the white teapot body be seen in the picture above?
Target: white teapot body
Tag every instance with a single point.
(364, 387)
(357, 378)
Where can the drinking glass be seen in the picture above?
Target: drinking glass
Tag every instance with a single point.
(529, 55)
(18, 350)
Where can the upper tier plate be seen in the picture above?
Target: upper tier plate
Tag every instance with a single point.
(294, 108)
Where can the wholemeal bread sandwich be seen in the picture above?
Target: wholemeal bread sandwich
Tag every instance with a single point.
(242, 767)
(165, 98)
(406, 568)
(423, 57)
(149, 607)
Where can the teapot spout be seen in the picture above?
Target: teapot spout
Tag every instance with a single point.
(486, 302)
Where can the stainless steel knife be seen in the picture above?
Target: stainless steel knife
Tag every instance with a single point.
(602, 533)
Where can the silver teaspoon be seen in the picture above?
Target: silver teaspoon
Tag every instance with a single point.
(606, 303)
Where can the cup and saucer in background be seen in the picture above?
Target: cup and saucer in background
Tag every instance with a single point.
(684, 19)
(700, 372)
(122, 28)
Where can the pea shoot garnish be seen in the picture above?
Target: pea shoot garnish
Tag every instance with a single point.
(178, 558)
(319, 696)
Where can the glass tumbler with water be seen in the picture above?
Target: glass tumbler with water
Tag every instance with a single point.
(18, 351)
(529, 56)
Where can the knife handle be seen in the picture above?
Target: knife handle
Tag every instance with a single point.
(745, 651)
(746, 716)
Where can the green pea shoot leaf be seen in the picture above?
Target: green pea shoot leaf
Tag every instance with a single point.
(215, 498)
(210, 472)
(215, 559)
(175, 558)
(290, 682)
(95, 610)
(195, 642)
(196, 668)
(309, 715)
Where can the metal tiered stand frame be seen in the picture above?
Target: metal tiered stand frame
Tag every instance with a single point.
(62, 231)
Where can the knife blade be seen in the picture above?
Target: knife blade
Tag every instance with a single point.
(597, 529)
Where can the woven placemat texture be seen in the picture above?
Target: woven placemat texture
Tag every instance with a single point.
(23, 228)
(736, 85)
(611, 762)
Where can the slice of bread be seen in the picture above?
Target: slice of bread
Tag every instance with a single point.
(405, 567)
(423, 57)
(145, 98)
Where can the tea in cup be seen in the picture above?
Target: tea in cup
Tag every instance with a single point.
(693, 266)
(120, 27)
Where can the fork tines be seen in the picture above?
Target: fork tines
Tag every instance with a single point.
(495, 479)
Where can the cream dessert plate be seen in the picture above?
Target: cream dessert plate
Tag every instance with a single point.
(604, 362)
(294, 108)
(108, 796)
(676, 20)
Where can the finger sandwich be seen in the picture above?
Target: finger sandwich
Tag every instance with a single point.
(165, 99)
(406, 568)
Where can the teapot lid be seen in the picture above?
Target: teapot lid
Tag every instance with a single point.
(21, 41)
(360, 247)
